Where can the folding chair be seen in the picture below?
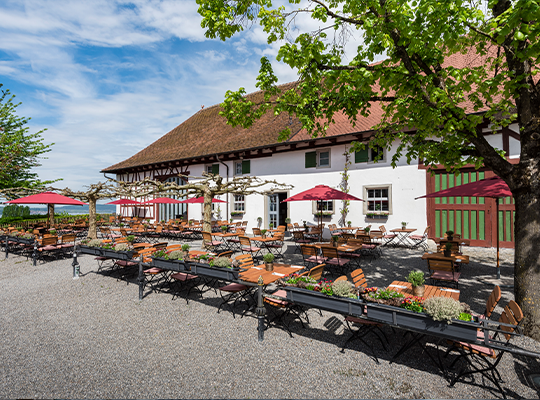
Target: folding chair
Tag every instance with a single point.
(234, 242)
(365, 326)
(311, 255)
(210, 244)
(335, 260)
(276, 247)
(443, 271)
(246, 247)
(67, 244)
(234, 292)
(491, 303)
(283, 308)
(478, 357)
(299, 240)
(420, 240)
(48, 248)
(387, 238)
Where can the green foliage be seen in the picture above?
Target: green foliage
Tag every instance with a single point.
(15, 211)
(385, 294)
(268, 257)
(222, 262)
(185, 247)
(20, 152)
(443, 308)
(416, 278)
(343, 289)
(122, 247)
(465, 317)
(175, 255)
(94, 243)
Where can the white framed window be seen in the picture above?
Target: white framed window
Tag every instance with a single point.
(377, 152)
(326, 206)
(378, 199)
(239, 203)
(242, 167)
(238, 168)
(212, 169)
(318, 159)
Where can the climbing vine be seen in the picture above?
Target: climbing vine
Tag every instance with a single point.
(344, 186)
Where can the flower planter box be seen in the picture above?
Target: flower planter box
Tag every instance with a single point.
(421, 322)
(227, 274)
(171, 265)
(376, 216)
(95, 251)
(21, 240)
(117, 255)
(339, 305)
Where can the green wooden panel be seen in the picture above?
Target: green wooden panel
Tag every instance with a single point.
(361, 156)
(444, 180)
(458, 183)
(451, 216)
(437, 187)
(473, 179)
(481, 175)
(444, 217)
(459, 216)
(438, 223)
(466, 226)
(465, 181)
(215, 169)
(482, 225)
(451, 185)
(311, 159)
(246, 166)
(508, 226)
(473, 224)
(500, 221)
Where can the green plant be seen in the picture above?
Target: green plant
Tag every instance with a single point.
(443, 308)
(130, 238)
(94, 243)
(222, 262)
(335, 238)
(385, 294)
(465, 317)
(224, 228)
(287, 220)
(270, 225)
(403, 223)
(416, 278)
(259, 219)
(185, 247)
(448, 246)
(343, 289)
(175, 255)
(367, 229)
(160, 253)
(268, 258)
(349, 223)
(263, 232)
(449, 233)
(413, 304)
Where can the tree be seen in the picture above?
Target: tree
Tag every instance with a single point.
(20, 152)
(434, 110)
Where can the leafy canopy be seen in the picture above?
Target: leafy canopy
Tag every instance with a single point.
(20, 151)
(443, 103)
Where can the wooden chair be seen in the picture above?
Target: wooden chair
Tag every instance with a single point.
(276, 246)
(299, 240)
(311, 255)
(67, 244)
(387, 238)
(443, 271)
(247, 247)
(491, 303)
(210, 244)
(332, 258)
(316, 272)
(420, 240)
(235, 292)
(478, 358)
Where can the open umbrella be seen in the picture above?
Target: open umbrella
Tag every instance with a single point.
(49, 198)
(162, 200)
(320, 193)
(493, 187)
(200, 200)
(123, 202)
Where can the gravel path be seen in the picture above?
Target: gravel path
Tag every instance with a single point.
(92, 338)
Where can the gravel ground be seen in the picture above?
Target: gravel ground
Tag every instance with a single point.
(92, 338)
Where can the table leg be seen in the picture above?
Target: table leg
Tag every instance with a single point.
(260, 310)
(140, 279)
(34, 254)
(7, 244)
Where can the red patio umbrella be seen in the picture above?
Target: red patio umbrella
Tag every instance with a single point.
(123, 202)
(200, 200)
(320, 193)
(49, 198)
(493, 187)
(162, 200)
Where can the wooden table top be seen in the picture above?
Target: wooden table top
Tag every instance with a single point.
(406, 230)
(263, 239)
(430, 291)
(457, 242)
(228, 234)
(440, 256)
(280, 270)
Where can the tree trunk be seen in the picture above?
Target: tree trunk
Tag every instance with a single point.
(50, 212)
(527, 258)
(92, 227)
(207, 216)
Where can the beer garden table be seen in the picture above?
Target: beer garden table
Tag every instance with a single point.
(402, 237)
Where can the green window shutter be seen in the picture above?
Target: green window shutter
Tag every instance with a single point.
(246, 166)
(311, 159)
(361, 156)
(215, 169)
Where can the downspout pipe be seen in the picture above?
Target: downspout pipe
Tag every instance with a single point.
(227, 206)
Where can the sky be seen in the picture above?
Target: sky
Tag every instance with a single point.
(106, 78)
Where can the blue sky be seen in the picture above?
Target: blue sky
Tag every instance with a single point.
(107, 78)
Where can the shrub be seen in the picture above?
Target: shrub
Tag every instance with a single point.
(122, 247)
(222, 262)
(343, 289)
(268, 257)
(443, 308)
(94, 243)
(176, 255)
(416, 278)
(185, 247)
(130, 238)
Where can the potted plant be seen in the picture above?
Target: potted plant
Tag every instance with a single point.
(287, 220)
(450, 235)
(263, 233)
(447, 249)
(403, 225)
(367, 229)
(269, 261)
(417, 280)
(224, 228)
(271, 225)
(259, 220)
(185, 250)
(349, 223)
(231, 220)
(335, 240)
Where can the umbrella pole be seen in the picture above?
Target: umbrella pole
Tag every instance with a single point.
(497, 230)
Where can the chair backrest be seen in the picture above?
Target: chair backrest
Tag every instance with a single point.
(69, 238)
(161, 245)
(256, 231)
(244, 241)
(174, 247)
(308, 251)
(358, 278)
(123, 232)
(240, 232)
(348, 235)
(329, 252)
(49, 240)
(244, 223)
(145, 253)
(511, 314)
(492, 301)
(245, 260)
(279, 237)
(341, 278)
(290, 227)
(356, 242)
(382, 229)
(316, 272)
(207, 237)
(281, 228)
(297, 235)
(227, 254)
(441, 265)
(426, 231)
